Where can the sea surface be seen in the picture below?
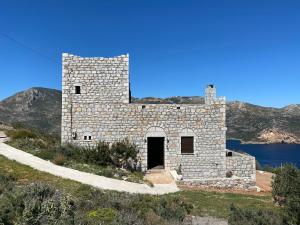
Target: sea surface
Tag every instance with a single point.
(269, 154)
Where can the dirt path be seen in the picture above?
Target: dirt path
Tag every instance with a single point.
(264, 180)
(82, 177)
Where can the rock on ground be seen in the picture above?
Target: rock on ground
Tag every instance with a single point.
(197, 220)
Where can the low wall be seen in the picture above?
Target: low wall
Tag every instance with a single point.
(224, 183)
(241, 165)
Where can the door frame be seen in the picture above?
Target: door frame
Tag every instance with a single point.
(163, 152)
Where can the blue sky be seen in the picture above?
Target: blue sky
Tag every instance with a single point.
(249, 49)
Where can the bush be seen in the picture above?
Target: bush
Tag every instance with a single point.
(240, 216)
(286, 192)
(6, 183)
(103, 153)
(291, 211)
(100, 154)
(31, 141)
(134, 207)
(124, 154)
(121, 154)
(103, 215)
(47, 154)
(107, 172)
(168, 207)
(271, 169)
(20, 134)
(59, 159)
(286, 184)
(28, 144)
(36, 204)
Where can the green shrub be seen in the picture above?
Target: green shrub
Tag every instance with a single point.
(47, 154)
(134, 207)
(168, 207)
(286, 184)
(240, 216)
(107, 172)
(20, 134)
(129, 217)
(31, 141)
(71, 151)
(124, 154)
(271, 169)
(103, 215)
(6, 183)
(286, 192)
(36, 204)
(28, 144)
(291, 211)
(100, 154)
(121, 154)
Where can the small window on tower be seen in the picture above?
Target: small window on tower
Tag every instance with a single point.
(90, 137)
(85, 137)
(77, 90)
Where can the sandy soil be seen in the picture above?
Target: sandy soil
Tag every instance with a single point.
(264, 180)
(159, 177)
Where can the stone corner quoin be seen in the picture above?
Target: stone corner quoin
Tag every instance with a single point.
(96, 105)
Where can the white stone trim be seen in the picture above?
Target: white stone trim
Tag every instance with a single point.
(155, 131)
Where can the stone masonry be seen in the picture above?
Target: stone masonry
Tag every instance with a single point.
(96, 106)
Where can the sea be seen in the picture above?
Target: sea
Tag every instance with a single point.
(269, 154)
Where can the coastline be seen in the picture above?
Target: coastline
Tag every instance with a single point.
(262, 142)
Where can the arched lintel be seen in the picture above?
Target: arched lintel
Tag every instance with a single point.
(187, 132)
(155, 131)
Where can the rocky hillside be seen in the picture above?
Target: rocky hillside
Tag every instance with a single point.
(41, 108)
(252, 123)
(38, 108)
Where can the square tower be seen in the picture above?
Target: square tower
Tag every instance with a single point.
(94, 81)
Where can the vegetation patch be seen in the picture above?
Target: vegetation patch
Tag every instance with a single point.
(286, 195)
(32, 197)
(104, 215)
(119, 161)
(133, 209)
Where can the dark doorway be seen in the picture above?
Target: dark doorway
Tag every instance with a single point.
(155, 152)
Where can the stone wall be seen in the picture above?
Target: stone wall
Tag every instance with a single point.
(103, 112)
(227, 183)
(101, 81)
(241, 165)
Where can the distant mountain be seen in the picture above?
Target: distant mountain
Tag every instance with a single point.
(251, 123)
(40, 108)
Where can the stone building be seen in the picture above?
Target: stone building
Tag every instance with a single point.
(96, 106)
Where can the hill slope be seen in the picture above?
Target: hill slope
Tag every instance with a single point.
(265, 124)
(41, 108)
(38, 108)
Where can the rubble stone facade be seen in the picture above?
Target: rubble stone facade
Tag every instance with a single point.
(96, 106)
